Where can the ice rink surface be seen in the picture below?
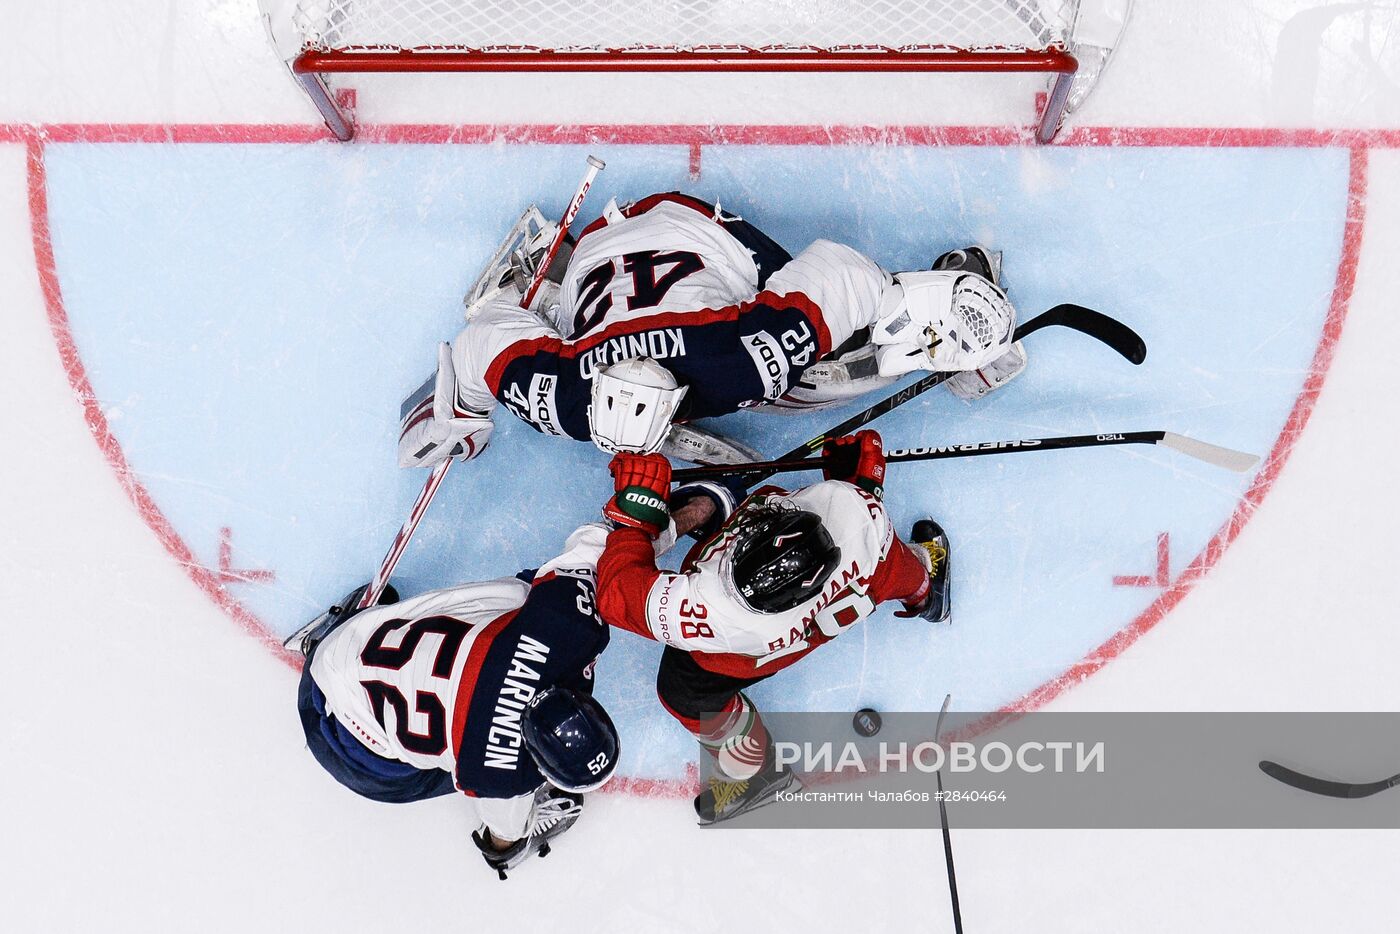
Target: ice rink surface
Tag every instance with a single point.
(231, 308)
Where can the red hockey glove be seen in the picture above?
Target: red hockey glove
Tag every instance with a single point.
(640, 483)
(858, 459)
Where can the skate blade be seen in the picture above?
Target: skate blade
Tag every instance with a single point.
(294, 642)
(769, 797)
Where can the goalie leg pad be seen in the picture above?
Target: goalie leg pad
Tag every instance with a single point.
(975, 384)
(691, 442)
(512, 266)
(986, 263)
(829, 383)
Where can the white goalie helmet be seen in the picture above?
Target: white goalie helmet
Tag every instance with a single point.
(633, 405)
(944, 321)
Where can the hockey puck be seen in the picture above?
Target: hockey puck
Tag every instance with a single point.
(866, 722)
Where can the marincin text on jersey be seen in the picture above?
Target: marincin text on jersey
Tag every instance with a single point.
(662, 344)
(503, 739)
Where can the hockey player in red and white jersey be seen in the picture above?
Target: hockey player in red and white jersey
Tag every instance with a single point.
(671, 305)
(484, 688)
(769, 583)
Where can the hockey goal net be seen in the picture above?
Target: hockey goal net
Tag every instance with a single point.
(1068, 39)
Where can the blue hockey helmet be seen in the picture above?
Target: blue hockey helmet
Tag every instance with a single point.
(571, 738)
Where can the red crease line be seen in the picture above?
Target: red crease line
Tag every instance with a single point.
(205, 579)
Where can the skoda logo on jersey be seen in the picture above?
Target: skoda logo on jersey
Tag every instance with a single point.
(770, 362)
(538, 405)
(543, 410)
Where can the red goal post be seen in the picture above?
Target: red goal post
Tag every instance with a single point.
(1070, 40)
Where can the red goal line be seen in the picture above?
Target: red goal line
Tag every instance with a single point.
(696, 135)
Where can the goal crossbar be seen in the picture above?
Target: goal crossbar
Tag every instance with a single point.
(312, 63)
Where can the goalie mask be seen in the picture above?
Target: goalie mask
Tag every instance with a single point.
(781, 559)
(944, 321)
(633, 405)
(571, 738)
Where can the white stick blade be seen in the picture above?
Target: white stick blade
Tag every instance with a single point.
(1238, 461)
(938, 729)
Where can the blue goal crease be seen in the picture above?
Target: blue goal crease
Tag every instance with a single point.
(251, 316)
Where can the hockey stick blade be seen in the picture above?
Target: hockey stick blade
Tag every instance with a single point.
(1110, 331)
(942, 712)
(1321, 786)
(1213, 454)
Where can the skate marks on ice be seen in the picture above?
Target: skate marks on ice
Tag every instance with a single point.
(249, 317)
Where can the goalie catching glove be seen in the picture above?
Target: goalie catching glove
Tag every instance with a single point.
(975, 384)
(953, 318)
(434, 428)
(941, 321)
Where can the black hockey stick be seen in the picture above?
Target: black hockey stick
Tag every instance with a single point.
(1214, 454)
(1101, 327)
(943, 823)
(1321, 786)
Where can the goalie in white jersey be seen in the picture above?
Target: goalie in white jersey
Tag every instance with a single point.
(673, 307)
(769, 583)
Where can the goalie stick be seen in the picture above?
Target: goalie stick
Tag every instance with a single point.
(1321, 786)
(1112, 333)
(439, 472)
(1213, 454)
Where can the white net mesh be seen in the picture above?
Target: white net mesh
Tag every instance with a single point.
(592, 25)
